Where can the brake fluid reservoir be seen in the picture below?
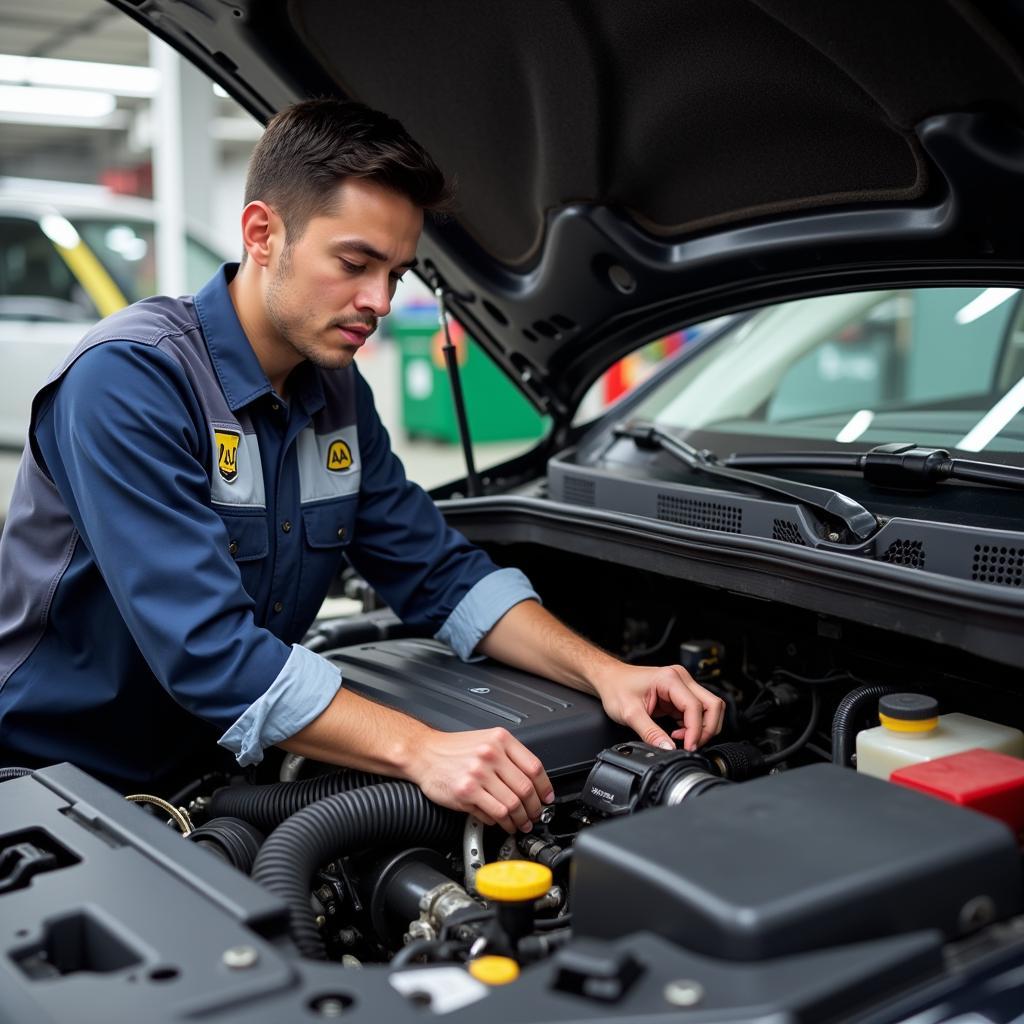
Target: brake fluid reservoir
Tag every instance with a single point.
(913, 731)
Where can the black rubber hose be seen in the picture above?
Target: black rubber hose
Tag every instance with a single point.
(13, 773)
(381, 815)
(802, 740)
(232, 839)
(267, 806)
(852, 712)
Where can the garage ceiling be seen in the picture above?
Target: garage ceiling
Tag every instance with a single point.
(87, 30)
(71, 30)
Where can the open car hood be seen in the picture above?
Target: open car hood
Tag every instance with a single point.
(624, 169)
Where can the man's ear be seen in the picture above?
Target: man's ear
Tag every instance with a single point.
(262, 232)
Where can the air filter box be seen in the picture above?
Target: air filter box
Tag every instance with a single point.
(815, 857)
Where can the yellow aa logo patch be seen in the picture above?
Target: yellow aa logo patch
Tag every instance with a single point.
(227, 454)
(339, 457)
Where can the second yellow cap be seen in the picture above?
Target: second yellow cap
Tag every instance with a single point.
(494, 970)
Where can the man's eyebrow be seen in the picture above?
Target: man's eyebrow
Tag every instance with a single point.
(358, 245)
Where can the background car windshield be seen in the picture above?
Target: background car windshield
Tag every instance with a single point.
(937, 366)
(127, 248)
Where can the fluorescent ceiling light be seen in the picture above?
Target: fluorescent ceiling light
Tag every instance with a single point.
(858, 423)
(994, 420)
(988, 300)
(120, 79)
(26, 99)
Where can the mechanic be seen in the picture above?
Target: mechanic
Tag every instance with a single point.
(196, 472)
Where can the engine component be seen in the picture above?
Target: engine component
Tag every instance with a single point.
(630, 776)
(267, 806)
(857, 707)
(494, 970)
(177, 814)
(912, 730)
(389, 813)
(426, 680)
(702, 659)
(231, 839)
(983, 780)
(472, 849)
(837, 857)
(512, 887)
(737, 761)
(414, 898)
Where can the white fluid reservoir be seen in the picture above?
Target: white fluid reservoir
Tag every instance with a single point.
(913, 731)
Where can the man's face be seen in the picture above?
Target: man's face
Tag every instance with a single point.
(327, 291)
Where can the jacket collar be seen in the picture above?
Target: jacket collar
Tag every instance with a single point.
(241, 377)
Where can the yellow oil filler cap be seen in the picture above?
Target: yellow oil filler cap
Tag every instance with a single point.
(494, 970)
(908, 712)
(513, 881)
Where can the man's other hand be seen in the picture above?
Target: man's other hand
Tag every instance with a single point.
(635, 695)
(487, 773)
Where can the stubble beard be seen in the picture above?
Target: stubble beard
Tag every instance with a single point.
(298, 329)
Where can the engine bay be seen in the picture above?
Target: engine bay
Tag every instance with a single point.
(766, 871)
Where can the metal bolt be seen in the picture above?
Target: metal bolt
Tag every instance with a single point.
(977, 913)
(320, 920)
(329, 1006)
(547, 815)
(684, 992)
(238, 958)
(834, 537)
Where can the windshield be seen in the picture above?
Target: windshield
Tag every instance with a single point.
(938, 366)
(127, 248)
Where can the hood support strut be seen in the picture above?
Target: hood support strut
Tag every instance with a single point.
(451, 358)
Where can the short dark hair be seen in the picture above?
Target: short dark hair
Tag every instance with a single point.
(309, 148)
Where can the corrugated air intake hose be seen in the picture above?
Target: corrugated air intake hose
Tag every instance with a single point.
(267, 806)
(387, 814)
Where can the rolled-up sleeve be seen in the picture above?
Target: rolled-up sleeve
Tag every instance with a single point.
(476, 614)
(301, 691)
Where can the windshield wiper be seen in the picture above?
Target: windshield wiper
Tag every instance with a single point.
(857, 519)
(902, 466)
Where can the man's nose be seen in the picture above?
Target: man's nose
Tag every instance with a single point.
(375, 298)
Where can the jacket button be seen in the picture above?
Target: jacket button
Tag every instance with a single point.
(341, 533)
(233, 548)
(278, 607)
(287, 526)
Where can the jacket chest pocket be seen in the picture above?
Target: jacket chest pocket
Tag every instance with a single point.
(327, 531)
(247, 545)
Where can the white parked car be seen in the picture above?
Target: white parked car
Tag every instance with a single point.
(69, 255)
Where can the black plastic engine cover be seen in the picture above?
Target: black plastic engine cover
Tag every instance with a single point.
(424, 679)
(815, 857)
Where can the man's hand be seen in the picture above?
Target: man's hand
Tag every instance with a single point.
(635, 695)
(487, 773)
(530, 638)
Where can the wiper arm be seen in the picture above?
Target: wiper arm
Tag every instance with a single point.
(902, 466)
(857, 519)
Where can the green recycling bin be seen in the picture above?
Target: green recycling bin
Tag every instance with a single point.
(495, 409)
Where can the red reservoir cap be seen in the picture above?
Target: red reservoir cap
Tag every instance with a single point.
(982, 780)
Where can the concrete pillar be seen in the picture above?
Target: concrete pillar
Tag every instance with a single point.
(184, 160)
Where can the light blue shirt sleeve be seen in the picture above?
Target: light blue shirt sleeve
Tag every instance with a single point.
(486, 602)
(308, 682)
(303, 688)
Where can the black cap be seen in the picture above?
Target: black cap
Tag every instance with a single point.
(911, 707)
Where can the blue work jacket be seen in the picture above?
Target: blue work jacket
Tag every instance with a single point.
(174, 529)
